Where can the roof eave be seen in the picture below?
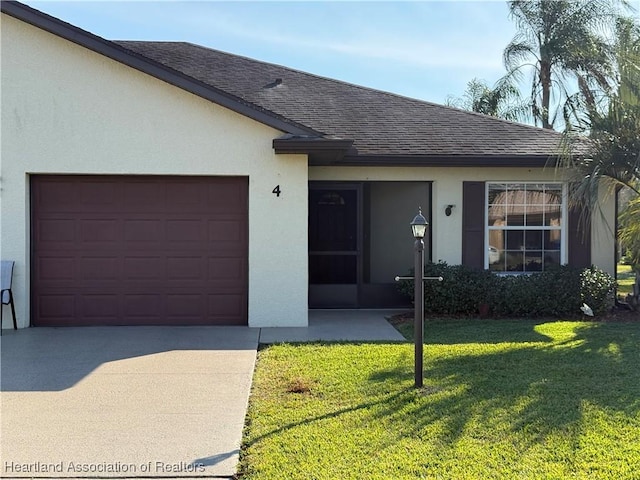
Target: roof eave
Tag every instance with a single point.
(325, 147)
(120, 54)
(485, 161)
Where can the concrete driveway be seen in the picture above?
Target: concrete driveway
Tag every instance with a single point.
(124, 401)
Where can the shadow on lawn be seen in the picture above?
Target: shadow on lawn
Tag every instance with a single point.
(501, 387)
(540, 388)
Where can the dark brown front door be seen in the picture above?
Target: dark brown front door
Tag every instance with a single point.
(139, 250)
(334, 245)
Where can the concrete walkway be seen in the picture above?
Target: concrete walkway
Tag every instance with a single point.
(144, 402)
(338, 325)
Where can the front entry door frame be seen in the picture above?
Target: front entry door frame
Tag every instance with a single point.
(334, 295)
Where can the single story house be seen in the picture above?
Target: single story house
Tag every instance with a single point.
(147, 183)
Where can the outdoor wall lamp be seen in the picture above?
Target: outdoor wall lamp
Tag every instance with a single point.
(447, 210)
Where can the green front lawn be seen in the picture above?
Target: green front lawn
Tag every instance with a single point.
(625, 280)
(502, 399)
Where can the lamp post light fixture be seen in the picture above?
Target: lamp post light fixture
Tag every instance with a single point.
(419, 227)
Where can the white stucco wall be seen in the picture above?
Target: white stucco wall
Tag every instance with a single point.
(603, 242)
(68, 110)
(447, 190)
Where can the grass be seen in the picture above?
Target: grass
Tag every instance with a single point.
(625, 280)
(502, 399)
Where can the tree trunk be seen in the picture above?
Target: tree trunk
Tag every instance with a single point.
(545, 83)
(633, 299)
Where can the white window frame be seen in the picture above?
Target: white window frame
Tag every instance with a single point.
(563, 221)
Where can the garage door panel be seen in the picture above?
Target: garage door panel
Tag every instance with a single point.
(184, 230)
(226, 194)
(100, 307)
(226, 306)
(100, 230)
(143, 230)
(99, 268)
(143, 305)
(118, 250)
(58, 196)
(55, 230)
(57, 307)
(229, 231)
(182, 195)
(185, 305)
(99, 196)
(144, 196)
(226, 268)
(185, 268)
(143, 267)
(55, 269)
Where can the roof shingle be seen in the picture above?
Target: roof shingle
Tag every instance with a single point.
(379, 123)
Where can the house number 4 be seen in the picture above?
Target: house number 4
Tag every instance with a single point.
(276, 191)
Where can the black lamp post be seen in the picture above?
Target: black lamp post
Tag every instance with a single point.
(419, 227)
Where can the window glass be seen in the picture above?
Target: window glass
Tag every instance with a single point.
(524, 226)
(514, 260)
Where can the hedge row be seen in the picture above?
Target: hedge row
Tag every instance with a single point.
(556, 292)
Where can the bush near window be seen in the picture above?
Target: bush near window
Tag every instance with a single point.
(555, 292)
(597, 289)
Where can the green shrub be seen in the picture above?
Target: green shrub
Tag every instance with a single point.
(550, 293)
(555, 292)
(460, 292)
(597, 289)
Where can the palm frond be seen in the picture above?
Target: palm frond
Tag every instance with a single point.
(630, 232)
(567, 39)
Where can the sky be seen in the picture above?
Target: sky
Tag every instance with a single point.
(421, 49)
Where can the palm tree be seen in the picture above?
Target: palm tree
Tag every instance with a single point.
(610, 161)
(611, 156)
(558, 41)
(502, 101)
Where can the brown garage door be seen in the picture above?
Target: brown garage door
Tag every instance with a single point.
(139, 250)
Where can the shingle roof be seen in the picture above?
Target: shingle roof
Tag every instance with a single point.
(380, 123)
